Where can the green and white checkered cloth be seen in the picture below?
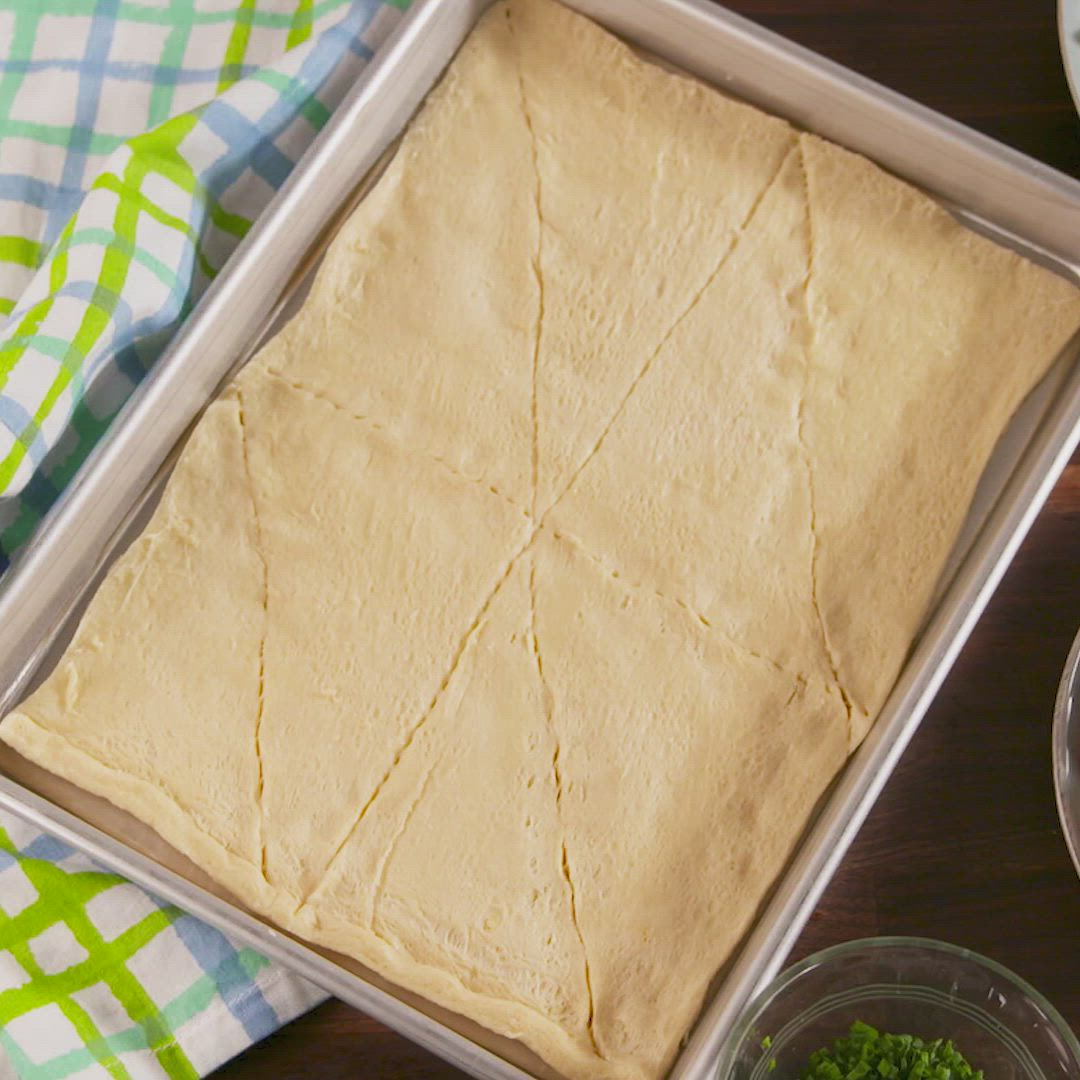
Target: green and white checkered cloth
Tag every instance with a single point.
(139, 139)
(100, 979)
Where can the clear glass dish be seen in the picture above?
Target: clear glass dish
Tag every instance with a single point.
(1067, 752)
(907, 986)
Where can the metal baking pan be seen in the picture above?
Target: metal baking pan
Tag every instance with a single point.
(1018, 201)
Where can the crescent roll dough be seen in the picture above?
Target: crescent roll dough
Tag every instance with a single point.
(505, 619)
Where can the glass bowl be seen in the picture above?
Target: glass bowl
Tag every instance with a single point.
(907, 986)
(1067, 752)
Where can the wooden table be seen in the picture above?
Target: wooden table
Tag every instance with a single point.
(964, 844)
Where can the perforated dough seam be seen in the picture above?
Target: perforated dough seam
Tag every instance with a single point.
(390, 436)
(617, 575)
(804, 447)
(414, 731)
(260, 552)
(556, 774)
(676, 323)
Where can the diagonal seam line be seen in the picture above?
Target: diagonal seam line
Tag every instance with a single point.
(579, 545)
(383, 865)
(804, 447)
(389, 436)
(414, 731)
(556, 773)
(537, 263)
(679, 319)
(260, 551)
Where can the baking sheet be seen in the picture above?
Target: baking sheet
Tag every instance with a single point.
(1018, 201)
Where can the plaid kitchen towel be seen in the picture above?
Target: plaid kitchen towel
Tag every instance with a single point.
(100, 979)
(138, 141)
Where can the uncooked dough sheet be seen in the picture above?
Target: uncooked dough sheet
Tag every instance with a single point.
(504, 620)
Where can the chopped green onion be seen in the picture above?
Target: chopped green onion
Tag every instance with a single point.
(868, 1054)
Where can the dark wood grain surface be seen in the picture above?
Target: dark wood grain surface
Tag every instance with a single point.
(964, 844)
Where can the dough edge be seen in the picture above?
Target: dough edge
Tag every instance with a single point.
(240, 876)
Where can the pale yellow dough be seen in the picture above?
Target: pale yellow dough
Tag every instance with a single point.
(505, 619)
